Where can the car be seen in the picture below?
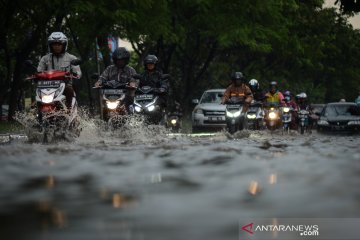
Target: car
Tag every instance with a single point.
(340, 117)
(209, 113)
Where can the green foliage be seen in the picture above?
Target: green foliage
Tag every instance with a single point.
(199, 42)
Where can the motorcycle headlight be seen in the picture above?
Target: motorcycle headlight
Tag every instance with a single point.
(233, 115)
(137, 109)
(272, 115)
(236, 114)
(322, 122)
(151, 108)
(173, 121)
(112, 105)
(286, 109)
(47, 98)
(251, 116)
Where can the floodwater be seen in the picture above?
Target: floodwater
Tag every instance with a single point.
(142, 183)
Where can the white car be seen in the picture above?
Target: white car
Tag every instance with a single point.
(209, 113)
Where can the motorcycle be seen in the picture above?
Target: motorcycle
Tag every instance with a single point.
(273, 118)
(147, 102)
(255, 116)
(54, 119)
(235, 117)
(286, 118)
(174, 121)
(303, 117)
(112, 102)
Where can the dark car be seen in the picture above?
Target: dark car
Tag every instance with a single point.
(340, 117)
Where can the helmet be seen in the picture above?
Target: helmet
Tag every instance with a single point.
(342, 100)
(57, 37)
(287, 96)
(150, 59)
(287, 93)
(121, 53)
(301, 95)
(254, 84)
(237, 76)
(273, 83)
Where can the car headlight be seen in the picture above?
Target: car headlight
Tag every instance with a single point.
(199, 111)
(286, 109)
(272, 115)
(173, 121)
(137, 109)
(251, 116)
(354, 123)
(112, 105)
(151, 108)
(322, 122)
(47, 98)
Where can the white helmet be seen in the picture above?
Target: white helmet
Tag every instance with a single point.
(58, 37)
(254, 84)
(301, 95)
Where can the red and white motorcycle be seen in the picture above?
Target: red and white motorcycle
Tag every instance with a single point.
(54, 119)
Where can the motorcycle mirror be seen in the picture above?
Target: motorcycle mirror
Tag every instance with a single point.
(75, 62)
(95, 76)
(29, 64)
(165, 76)
(195, 101)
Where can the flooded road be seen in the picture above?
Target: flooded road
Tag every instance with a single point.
(151, 185)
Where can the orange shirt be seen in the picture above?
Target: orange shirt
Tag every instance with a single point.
(238, 91)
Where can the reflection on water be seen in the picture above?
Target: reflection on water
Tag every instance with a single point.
(134, 185)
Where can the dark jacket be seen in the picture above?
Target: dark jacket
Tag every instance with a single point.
(154, 80)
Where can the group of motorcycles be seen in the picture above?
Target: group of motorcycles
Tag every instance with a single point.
(259, 116)
(146, 102)
(53, 117)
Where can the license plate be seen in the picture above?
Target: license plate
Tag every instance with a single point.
(144, 97)
(114, 91)
(44, 84)
(215, 119)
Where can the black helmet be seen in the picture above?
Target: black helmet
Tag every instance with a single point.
(150, 59)
(237, 76)
(121, 53)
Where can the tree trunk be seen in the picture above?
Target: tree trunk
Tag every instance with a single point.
(16, 84)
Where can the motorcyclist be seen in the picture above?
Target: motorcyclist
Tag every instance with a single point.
(302, 102)
(154, 78)
(290, 102)
(258, 94)
(238, 88)
(274, 97)
(58, 59)
(120, 71)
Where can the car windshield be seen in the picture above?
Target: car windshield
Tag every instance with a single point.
(342, 110)
(211, 97)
